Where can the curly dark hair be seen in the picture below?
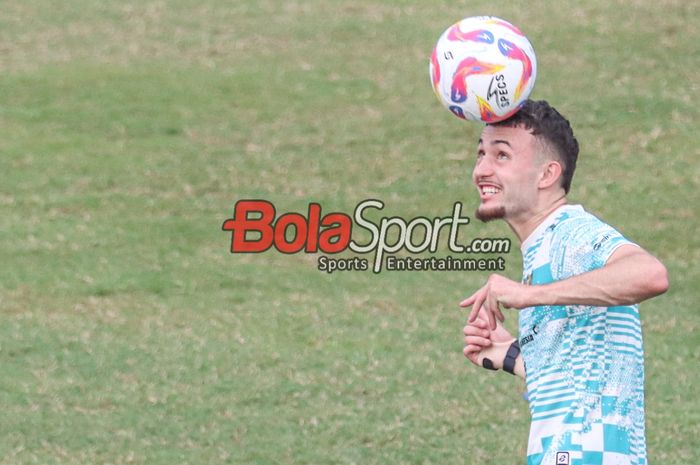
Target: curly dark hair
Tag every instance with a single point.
(552, 129)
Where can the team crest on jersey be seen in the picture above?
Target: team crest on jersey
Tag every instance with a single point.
(562, 458)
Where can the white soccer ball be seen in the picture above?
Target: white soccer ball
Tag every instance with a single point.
(483, 69)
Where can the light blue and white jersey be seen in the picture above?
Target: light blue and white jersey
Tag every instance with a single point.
(584, 365)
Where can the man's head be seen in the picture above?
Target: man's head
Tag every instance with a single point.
(524, 161)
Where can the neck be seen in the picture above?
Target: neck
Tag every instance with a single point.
(527, 225)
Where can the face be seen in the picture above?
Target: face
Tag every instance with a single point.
(506, 174)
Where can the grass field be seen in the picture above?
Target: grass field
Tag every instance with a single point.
(128, 130)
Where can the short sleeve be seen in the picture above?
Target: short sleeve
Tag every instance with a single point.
(582, 244)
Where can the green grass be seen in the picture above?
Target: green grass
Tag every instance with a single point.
(127, 133)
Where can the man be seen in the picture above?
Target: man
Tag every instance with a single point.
(580, 343)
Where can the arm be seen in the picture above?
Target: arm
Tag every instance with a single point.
(630, 276)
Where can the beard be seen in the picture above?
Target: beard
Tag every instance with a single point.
(489, 214)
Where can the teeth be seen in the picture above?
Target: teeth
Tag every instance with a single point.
(490, 190)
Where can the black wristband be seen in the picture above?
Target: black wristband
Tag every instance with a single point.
(511, 355)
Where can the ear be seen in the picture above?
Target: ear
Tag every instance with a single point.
(550, 174)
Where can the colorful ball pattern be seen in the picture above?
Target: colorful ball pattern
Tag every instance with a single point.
(483, 69)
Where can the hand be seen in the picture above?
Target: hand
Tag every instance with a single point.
(479, 340)
(497, 291)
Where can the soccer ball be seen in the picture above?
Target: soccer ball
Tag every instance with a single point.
(483, 69)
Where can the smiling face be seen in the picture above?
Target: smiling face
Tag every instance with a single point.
(507, 174)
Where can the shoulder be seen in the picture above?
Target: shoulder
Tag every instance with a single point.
(582, 242)
(576, 224)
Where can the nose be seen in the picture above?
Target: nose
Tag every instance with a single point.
(483, 168)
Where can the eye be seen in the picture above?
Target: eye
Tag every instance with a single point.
(503, 156)
(480, 154)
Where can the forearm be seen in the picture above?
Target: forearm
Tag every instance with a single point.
(631, 278)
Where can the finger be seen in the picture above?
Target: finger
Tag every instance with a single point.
(492, 321)
(473, 313)
(471, 348)
(476, 307)
(496, 309)
(472, 353)
(493, 310)
(471, 330)
(489, 315)
(468, 301)
(477, 341)
(483, 315)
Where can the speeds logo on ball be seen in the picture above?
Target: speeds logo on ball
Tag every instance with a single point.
(256, 228)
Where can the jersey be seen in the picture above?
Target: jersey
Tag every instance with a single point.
(584, 365)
